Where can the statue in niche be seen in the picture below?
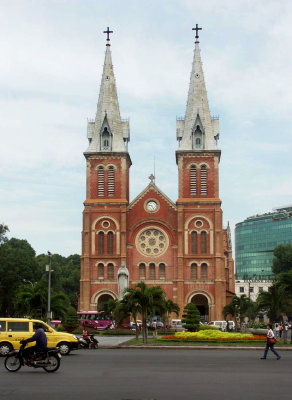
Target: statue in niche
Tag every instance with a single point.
(123, 279)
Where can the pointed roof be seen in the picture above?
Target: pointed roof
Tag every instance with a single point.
(197, 110)
(108, 112)
(150, 187)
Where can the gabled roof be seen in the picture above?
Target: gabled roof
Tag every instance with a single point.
(149, 188)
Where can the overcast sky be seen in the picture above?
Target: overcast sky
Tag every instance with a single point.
(52, 55)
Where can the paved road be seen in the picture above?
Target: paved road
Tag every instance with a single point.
(110, 341)
(143, 374)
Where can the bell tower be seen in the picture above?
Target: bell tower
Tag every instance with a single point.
(201, 275)
(107, 193)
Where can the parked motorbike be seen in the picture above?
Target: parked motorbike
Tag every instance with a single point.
(49, 360)
(92, 344)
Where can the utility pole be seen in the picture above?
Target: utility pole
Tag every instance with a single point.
(49, 270)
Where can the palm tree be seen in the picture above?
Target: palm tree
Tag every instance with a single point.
(238, 307)
(285, 280)
(110, 308)
(32, 301)
(145, 300)
(60, 304)
(276, 302)
(171, 307)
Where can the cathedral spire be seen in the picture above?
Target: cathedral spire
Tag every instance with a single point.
(197, 131)
(108, 132)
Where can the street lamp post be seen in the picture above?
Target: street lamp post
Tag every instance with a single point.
(49, 269)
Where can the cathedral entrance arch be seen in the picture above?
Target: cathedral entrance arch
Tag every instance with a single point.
(201, 301)
(101, 297)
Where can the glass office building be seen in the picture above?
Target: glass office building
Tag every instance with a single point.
(255, 239)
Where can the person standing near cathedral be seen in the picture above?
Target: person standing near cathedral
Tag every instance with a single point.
(270, 343)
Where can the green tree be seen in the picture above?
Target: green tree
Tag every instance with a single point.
(145, 300)
(65, 275)
(3, 230)
(71, 320)
(110, 308)
(239, 308)
(191, 318)
(31, 300)
(17, 263)
(276, 303)
(170, 307)
(282, 261)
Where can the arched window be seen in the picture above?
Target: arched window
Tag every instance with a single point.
(100, 182)
(203, 242)
(194, 243)
(204, 271)
(204, 180)
(100, 243)
(161, 271)
(110, 243)
(100, 271)
(193, 180)
(111, 181)
(152, 271)
(110, 271)
(142, 271)
(194, 271)
(105, 140)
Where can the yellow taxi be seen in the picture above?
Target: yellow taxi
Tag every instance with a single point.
(12, 330)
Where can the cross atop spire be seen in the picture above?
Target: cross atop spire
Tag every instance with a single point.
(197, 29)
(152, 178)
(108, 38)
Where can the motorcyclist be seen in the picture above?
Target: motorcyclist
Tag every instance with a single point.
(41, 342)
(86, 336)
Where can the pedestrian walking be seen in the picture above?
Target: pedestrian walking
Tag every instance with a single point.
(281, 330)
(277, 329)
(270, 343)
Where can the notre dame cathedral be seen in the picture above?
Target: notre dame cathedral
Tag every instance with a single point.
(180, 246)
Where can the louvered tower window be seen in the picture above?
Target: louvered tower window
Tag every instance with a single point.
(193, 180)
(204, 271)
(194, 243)
(110, 243)
(203, 180)
(110, 271)
(111, 181)
(194, 271)
(100, 182)
(203, 242)
(100, 243)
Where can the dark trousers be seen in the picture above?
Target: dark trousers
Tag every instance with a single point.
(31, 352)
(271, 347)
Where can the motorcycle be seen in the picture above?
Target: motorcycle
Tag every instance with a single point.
(49, 360)
(84, 344)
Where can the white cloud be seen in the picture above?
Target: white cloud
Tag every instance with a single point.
(51, 64)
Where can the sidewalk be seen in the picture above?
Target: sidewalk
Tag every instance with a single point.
(118, 342)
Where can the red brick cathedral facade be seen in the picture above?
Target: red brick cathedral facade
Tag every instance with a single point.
(180, 246)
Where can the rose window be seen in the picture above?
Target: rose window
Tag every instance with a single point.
(152, 242)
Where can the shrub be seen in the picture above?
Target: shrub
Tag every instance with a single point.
(71, 320)
(213, 336)
(257, 325)
(207, 328)
(191, 318)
